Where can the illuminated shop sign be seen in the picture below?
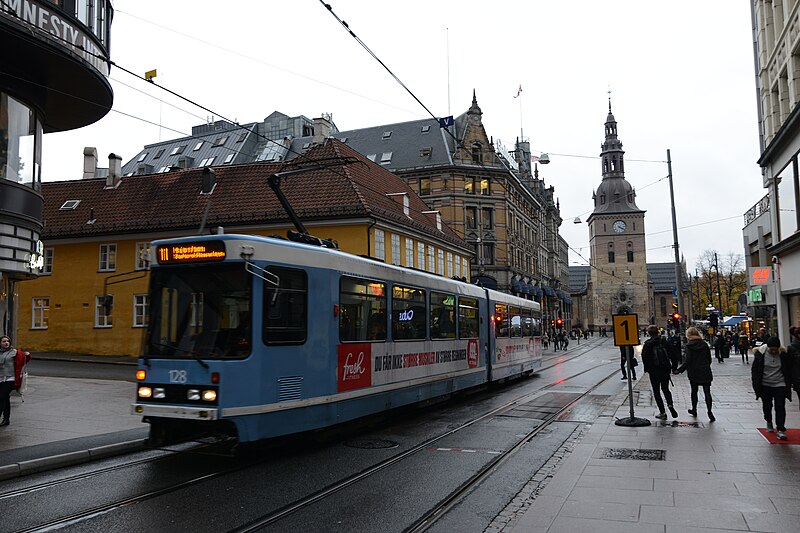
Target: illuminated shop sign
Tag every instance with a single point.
(197, 252)
(760, 275)
(36, 258)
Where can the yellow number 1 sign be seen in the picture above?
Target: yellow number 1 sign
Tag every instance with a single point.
(626, 330)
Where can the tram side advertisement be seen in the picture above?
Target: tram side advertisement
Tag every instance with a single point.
(368, 364)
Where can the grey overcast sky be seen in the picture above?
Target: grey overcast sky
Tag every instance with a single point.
(681, 77)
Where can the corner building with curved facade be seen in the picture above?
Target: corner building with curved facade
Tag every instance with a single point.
(53, 78)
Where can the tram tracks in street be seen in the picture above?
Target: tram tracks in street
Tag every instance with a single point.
(430, 518)
(319, 495)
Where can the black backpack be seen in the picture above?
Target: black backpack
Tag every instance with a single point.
(661, 355)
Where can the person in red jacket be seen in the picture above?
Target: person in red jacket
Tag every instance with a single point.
(11, 362)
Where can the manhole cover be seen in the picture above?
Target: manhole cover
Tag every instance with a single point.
(676, 424)
(371, 444)
(635, 454)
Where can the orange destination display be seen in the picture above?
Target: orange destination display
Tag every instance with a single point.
(191, 253)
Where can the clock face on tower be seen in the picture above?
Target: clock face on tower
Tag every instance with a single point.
(619, 226)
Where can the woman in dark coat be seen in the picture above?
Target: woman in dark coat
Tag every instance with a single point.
(772, 379)
(659, 371)
(698, 366)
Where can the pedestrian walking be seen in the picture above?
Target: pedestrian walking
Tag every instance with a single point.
(771, 376)
(735, 342)
(11, 362)
(698, 368)
(655, 358)
(719, 348)
(744, 348)
(624, 362)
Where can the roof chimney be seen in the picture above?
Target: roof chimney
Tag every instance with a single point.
(209, 181)
(89, 162)
(322, 129)
(114, 171)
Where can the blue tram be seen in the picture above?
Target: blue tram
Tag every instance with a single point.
(257, 337)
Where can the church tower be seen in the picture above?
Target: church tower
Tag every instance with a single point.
(616, 240)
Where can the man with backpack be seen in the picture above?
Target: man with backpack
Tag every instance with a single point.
(656, 361)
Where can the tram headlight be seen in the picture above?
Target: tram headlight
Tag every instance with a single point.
(209, 395)
(159, 393)
(145, 392)
(193, 394)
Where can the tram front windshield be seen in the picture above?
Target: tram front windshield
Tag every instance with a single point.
(203, 312)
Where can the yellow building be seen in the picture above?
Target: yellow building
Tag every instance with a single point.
(91, 296)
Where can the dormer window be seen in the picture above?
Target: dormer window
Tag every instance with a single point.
(386, 157)
(386, 135)
(425, 129)
(477, 153)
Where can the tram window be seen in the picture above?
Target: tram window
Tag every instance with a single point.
(501, 328)
(362, 310)
(408, 313)
(443, 310)
(468, 318)
(515, 321)
(200, 311)
(527, 323)
(536, 323)
(285, 306)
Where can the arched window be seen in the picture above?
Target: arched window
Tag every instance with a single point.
(611, 252)
(630, 252)
(663, 306)
(477, 152)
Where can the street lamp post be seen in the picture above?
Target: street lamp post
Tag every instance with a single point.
(719, 292)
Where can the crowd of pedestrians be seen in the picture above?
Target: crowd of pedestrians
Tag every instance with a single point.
(774, 373)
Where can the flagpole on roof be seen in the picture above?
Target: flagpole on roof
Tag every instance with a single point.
(519, 97)
(448, 73)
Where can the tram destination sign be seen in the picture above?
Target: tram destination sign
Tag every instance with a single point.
(196, 252)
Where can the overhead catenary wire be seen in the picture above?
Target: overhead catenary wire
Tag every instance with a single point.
(346, 26)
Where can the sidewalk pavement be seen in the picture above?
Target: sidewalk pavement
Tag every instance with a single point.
(63, 421)
(720, 476)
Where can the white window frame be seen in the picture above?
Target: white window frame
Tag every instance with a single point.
(380, 244)
(458, 266)
(101, 319)
(409, 252)
(449, 264)
(142, 258)
(141, 315)
(431, 260)
(107, 260)
(440, 262)
(47, 266)
(421, 256)
(395, 249)
(40, 312)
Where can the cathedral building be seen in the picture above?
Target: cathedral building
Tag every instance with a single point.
(617, 240)
(618, 279)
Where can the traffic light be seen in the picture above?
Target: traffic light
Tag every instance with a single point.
(713, 320)
(559, 322)
(676, 320)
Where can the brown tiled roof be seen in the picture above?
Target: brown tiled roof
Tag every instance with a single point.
(242, 197)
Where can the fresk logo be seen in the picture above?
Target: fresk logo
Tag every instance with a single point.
(351, 371)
